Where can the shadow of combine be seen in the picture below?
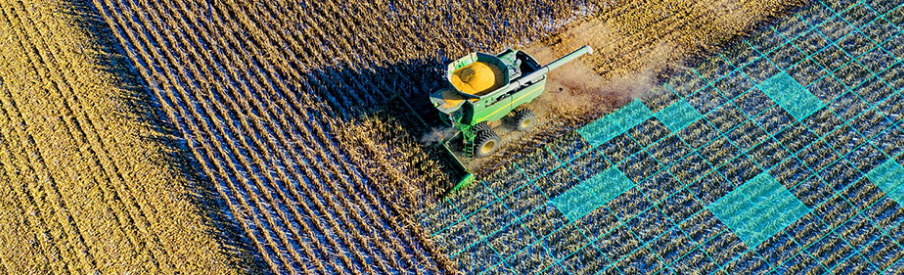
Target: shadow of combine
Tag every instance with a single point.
(352, 95)
(147, 112)
(398, 95)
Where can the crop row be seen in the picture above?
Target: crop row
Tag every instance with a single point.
(87, 192)
(264, 146)
(274, 101)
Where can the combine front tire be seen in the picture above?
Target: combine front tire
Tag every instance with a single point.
(524, 119)
(486, 143)
(481, 127)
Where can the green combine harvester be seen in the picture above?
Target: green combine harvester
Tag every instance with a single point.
(485, 88)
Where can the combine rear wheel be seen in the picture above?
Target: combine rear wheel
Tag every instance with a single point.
(524, 119)
(486, 143)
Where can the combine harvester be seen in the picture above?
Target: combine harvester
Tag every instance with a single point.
(484, 89)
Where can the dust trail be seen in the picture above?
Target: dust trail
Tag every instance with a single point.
(438, 135)
(576, 91)
(636, 47)
(625, 64)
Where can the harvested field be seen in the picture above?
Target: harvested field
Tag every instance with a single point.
(89, 185)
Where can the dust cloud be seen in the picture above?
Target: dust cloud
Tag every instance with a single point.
(578, 91)
(637, 44)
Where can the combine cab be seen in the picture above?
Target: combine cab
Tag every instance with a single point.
(486, 88)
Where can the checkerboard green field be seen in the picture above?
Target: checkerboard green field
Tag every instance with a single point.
(781, 154)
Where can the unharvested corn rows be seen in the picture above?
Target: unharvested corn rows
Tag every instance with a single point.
(274, 102)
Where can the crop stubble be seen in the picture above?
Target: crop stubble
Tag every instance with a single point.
(85, 187)
(270, 97)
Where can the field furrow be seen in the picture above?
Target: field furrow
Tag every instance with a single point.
(95, 189)
(37, 123)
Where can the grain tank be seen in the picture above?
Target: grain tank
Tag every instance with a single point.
(484, 88)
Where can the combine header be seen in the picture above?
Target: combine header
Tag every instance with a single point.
(483, 89)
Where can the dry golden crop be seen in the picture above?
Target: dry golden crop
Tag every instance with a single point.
(87, 186)
(273, 100)
(279, 109)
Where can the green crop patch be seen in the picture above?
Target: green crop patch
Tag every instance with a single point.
(789, 94)
(758, 209)
(678, 115)
(890, 178)
(592, 193)
(609, 126)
